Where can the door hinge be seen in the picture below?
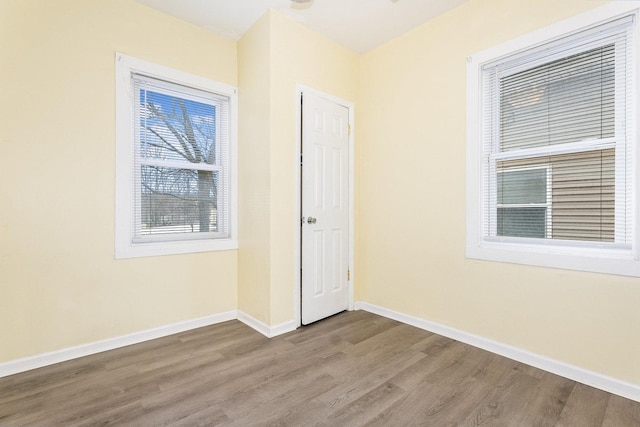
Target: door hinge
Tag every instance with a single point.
(300, 159)
(348, 275)
(349, 129)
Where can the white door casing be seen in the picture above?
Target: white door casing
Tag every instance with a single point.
(325, 208)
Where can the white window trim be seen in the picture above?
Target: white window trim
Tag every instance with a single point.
(125, 247)
(582, 256)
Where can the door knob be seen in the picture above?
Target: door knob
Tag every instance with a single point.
(311, 220)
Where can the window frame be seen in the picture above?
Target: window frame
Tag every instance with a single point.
(584, 256)
(127, 244)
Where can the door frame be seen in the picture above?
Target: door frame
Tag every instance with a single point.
(300, 89)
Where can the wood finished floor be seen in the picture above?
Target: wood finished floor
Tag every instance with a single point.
(352, 369)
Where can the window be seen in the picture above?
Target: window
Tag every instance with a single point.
(175, 147)
(523, 205)
(551, 145)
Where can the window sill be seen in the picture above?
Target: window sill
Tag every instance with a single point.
(614, 260)
(138, 250)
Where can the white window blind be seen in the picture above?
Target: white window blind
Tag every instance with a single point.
(556, 142)
(181, 162)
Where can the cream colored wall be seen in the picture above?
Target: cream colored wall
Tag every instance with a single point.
(284, 53)
(254, 168)
(299, 56)
(410, 204)
(59, 283)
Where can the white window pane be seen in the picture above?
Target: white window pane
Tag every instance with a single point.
(567, 100)
(578, 189)
(174, 128)
(522, 186)
(178, 201)
(522, 222)
(182, 162)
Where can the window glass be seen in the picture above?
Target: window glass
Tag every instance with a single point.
(566, 100)
(522, 221)
(557, 139)
(522, 203)
(522, 186)
(179, 162)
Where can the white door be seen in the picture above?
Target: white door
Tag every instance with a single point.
(325, 208)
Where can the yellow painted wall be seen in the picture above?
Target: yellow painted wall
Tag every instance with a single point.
(275, 55)
(410, 204)
(299, 56)
(60, 285)
(254, 166)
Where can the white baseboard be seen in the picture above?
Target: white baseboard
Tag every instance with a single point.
(45, 359)
(590, 378)
(594, 379)
(263, 328)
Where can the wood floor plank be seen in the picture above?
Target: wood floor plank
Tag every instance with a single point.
(331, 325)
(207, 417)
(546, 403)
(621, 412)
(388, 341)
(503, 403)
(291, 384)
(356, 334)
(363, 377)
(353, 369)
(182, 412)
(433, 366)
(287, 407)
(586, 407)
(359, 411)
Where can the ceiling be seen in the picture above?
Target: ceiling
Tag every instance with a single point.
(359, 25)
